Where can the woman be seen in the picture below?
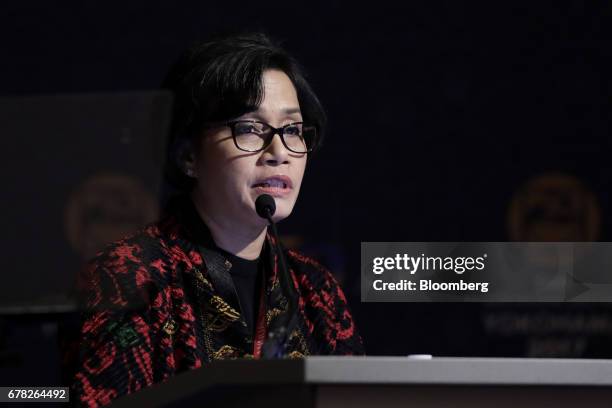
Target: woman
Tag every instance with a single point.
(206, 281)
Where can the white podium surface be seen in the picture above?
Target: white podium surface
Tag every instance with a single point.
(391, 382)
(458, 370)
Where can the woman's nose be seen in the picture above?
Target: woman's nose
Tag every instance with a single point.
(276, 152)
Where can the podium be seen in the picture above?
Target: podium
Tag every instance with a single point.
(356, 382)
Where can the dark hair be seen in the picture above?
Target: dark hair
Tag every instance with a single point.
(221, 79)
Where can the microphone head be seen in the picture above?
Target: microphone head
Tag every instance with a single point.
(265, 206)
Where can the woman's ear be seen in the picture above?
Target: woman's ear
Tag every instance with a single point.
(185, 157)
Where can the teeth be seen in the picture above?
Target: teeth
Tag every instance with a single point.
(274, 183)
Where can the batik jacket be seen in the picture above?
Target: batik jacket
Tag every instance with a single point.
(161, 302)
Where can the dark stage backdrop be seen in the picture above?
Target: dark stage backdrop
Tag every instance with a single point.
(487, 121)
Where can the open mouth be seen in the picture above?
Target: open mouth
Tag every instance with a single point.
(280, 182)
(272, 184)
(275, 186)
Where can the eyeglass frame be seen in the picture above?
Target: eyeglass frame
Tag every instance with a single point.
(274, 131)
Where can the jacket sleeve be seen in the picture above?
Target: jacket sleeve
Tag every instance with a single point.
(332, 323)
(115, 348)
(341, 333)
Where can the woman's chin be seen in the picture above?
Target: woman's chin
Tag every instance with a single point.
(284, 206)
(279, 217)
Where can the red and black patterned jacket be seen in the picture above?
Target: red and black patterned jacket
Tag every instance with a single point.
(161, 302)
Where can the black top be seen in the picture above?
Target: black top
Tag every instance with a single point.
(246, 275)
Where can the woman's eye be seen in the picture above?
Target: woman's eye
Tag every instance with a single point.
(244, 129)
(293, 130)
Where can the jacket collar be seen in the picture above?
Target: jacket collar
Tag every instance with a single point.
(210, 276)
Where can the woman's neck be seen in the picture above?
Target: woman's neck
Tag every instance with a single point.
(243, 241)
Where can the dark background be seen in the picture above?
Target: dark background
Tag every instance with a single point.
(440, 114)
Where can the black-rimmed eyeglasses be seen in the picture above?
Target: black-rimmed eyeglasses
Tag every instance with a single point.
(255, 136)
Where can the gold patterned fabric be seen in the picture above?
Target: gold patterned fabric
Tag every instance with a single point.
(161, 302)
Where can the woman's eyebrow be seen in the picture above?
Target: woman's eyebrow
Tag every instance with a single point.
(289, 111)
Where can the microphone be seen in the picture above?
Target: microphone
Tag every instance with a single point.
(274, 346)
(265, 206)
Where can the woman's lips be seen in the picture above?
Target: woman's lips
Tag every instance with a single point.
(278, 185)
(273, 191)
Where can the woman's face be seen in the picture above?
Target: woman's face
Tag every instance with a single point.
(229, 180)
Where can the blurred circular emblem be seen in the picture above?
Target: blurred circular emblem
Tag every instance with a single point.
(105, 208)
(554, 207)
